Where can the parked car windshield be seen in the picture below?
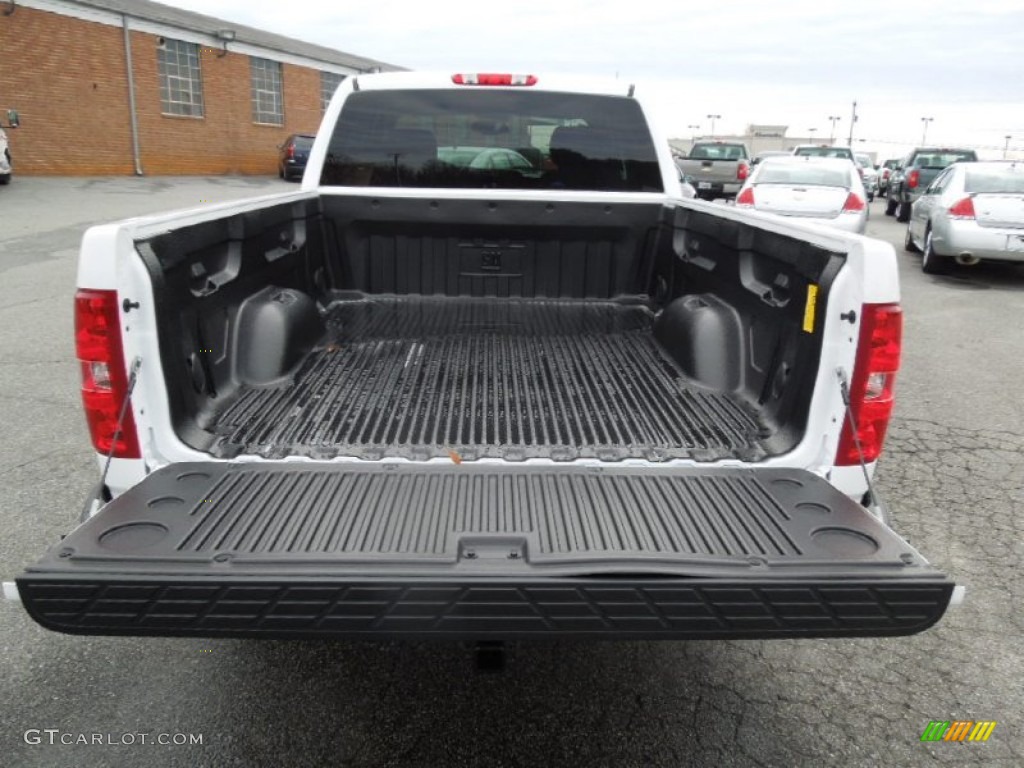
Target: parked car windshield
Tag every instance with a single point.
(455, 138)
(824, 152)
(303, 142)
(943, 158)
(995, 180)
(802, 175)
(718, 151)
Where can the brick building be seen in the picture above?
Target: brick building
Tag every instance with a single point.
(201, 95)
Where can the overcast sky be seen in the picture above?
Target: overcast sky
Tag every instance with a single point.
(751, 61)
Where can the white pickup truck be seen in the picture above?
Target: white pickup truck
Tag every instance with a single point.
(533, 394)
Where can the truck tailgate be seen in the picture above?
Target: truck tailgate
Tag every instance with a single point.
(304, 549)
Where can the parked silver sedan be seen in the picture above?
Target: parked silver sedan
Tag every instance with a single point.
(969, 213)
(826, 189)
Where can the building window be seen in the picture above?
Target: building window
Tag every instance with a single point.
(267, 101)
(329, 82)
(181, 85)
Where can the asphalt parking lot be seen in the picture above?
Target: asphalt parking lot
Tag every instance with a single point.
(953, 474)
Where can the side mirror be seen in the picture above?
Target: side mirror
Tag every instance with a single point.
(13, 120)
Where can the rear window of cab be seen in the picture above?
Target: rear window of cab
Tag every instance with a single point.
(718, 152)
(943, 158)
(492, 139)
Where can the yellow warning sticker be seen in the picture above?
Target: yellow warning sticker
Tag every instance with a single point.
(809, 310)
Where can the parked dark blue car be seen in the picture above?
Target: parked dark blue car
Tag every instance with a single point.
(292, 156)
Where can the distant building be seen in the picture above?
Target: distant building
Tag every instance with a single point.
(199, 94)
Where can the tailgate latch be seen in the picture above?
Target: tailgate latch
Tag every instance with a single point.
(484, 548)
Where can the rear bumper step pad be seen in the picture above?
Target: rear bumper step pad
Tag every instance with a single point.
(622, 608)
(350, 549)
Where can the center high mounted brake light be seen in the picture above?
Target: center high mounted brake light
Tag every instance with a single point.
(493, 79)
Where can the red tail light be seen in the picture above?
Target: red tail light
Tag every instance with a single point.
(493, 79)
(746, 198)
(104, 381)
(963, 209)
(871, 391)
(742, 171)
(291, 150)
(853, 204)
(914, 179)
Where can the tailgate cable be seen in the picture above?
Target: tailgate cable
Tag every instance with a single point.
(873, 497)
(133, 376)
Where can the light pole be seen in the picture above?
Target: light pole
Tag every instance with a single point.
(811, 132)
(693, 129)
(853, 119)
(832, 134)
(1006, 147)
(924, 133)
(712, 118)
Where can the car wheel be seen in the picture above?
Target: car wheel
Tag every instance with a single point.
(890, 206)
(931, 262)
(5, 179)
(903, 212)
(908, 242)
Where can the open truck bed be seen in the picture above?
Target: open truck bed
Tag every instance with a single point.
(514, 379)
(368, 328)
(301, 345)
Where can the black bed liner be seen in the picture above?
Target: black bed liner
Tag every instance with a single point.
(514, 379)
(296, 549)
